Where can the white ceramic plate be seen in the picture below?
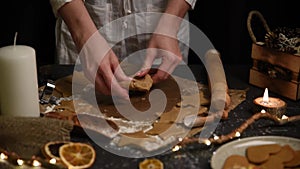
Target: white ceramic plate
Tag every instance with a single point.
(239, 147)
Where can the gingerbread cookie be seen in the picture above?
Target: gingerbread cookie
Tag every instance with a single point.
(271, 156)
(261, 153)
(142, 84)
(276, 161)
(295, 161)
(286, 154)
(236, 161)
(273, 162)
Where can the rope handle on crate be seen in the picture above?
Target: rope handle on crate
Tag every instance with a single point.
(260, 16)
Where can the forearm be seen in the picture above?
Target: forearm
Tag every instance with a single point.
(78, 21)
(177, 7)
(169, 23)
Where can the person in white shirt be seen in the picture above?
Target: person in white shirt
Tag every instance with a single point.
(78, 21)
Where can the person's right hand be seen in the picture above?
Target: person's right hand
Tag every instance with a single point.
(101, 65)
(107, 69)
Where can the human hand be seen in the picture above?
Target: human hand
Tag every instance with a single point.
(164, 47)
(101, 67)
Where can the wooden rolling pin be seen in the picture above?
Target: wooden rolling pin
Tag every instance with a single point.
(220, 100)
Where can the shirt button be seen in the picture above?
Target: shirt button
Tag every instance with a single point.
(125, 25)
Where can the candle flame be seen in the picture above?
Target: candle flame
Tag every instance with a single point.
(266, 96)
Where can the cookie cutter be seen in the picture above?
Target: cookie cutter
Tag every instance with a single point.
(46, 95)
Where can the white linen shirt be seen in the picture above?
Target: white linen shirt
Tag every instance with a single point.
(104, 12)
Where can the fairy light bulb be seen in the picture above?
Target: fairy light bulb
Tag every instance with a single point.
(284, 117)
(52, 161)
(237, 134)
(176, 148)
(3, 156)
(216, 137)
(36, 163)
(207, 142)
(20, 162)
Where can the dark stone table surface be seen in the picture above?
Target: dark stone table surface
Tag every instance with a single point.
(198, 156)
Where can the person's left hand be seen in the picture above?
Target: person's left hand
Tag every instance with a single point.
(164, 47)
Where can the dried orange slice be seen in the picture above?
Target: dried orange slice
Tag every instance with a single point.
(51, 149)
(77, 155)
(151, 164)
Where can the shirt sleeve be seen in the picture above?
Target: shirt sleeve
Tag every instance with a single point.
(192, 3)
(56, 4)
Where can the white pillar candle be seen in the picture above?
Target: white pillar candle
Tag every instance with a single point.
(18, 84)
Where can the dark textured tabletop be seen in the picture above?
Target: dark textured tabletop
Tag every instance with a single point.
(198, 156)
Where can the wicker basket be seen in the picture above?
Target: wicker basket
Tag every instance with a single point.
(272, 69)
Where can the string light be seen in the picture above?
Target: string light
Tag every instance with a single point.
(3, 156)
(20, 162)
(52, 161)
(176, 148)
(237, 134)
(15, 160)
(207, 142)
(36, 163)
(284, 117)
(180, 139)
(216, 137)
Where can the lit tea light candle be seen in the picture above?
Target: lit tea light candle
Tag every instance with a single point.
(272, 105)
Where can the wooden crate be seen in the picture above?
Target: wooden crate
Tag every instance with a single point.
(277, 71)
(272, 69)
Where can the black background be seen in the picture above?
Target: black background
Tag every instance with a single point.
(223, 21)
